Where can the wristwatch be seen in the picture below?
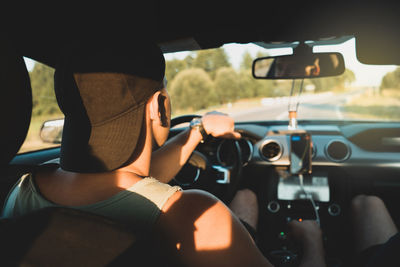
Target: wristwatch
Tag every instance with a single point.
(197, 124)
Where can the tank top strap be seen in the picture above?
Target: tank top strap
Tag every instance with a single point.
(154, 190)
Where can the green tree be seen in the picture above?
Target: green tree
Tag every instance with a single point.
(261, 54)
(211, 60)
(338, 82)
(323, 84)
(248, 85)
(391, 80)
(350, 77)
(173, 67)
(247, 61)
(346, 79)
(192, 89)
(227, 85)
(189, 59)
(43, 96)
(269, 88)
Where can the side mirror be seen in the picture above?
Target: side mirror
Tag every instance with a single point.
(51, 131)
(299, 66)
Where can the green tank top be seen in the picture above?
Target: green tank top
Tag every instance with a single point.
(139, 206)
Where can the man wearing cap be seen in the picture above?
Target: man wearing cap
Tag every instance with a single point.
(116, 112)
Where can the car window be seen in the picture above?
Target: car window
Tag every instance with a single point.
(44, 102)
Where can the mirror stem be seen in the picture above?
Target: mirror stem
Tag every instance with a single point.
(292, 120)
(293, 106)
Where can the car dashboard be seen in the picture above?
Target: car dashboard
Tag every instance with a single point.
(348, 158)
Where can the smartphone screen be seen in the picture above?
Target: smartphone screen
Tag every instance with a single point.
(300, 153)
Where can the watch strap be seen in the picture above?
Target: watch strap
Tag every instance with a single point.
(197, 123)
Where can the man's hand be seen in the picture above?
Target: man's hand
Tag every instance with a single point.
(169, 159)
(219, 125)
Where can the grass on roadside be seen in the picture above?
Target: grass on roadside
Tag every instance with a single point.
(373, 105)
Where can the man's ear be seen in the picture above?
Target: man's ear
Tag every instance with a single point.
(162, 105)
(154, 111)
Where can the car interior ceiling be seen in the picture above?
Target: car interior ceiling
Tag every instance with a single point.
(376, 44)
(296, 22)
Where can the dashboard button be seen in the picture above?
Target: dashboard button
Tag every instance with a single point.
(273, 206)
(334, 209)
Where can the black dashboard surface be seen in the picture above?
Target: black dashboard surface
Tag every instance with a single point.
(349, 158)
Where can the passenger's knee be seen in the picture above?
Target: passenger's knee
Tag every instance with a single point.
(358, 201)
(246, 195)
(366, 203)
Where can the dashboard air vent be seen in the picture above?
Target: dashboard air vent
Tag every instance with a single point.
(337, 150)
(271, 150)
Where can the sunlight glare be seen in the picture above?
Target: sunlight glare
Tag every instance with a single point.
(221, 233)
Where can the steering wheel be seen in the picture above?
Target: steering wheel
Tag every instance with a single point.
(227, 178)
(182, 119)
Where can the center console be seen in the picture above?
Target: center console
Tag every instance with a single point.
(287, 199)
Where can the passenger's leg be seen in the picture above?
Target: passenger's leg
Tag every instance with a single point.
(372, 223)
(245, 206)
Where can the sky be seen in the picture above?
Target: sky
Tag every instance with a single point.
(366, 75)
(29, 63)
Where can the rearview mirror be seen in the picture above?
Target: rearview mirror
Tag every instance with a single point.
(51, 131)
(299, 66)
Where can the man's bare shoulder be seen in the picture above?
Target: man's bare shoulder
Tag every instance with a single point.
(201, 230)
(194, 209)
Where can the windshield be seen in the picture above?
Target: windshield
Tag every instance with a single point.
(220, 79)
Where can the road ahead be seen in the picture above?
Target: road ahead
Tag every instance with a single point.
(319, 106)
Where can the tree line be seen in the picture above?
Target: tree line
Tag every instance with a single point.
(391, 80)
(206, 78)
(202, 79)
(43, 96)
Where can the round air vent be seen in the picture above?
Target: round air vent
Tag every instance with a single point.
(271, 150)
(314, 151)
(337, 150)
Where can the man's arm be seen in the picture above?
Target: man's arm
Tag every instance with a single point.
(169, 159)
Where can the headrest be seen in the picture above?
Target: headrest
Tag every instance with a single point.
(15, 103)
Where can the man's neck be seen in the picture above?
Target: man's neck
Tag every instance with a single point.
(141, 165)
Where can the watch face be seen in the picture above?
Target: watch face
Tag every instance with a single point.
(196, 122)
